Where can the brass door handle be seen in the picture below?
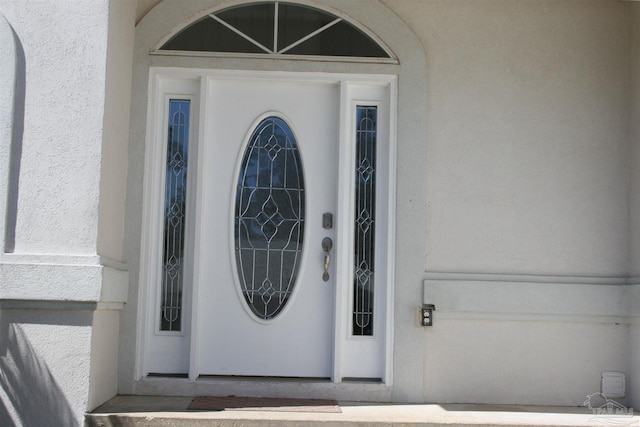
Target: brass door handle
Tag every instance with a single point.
(327, 244)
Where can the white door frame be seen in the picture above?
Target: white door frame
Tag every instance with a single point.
(192, 84)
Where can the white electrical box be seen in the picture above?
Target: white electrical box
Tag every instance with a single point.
(614, 384)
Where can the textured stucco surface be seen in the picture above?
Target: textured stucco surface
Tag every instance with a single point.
(527, 174)
(61, 145)
(45, 359)
(113, 175)
(527, 135)
(548, 368)
(104, 359)
(7, 88)
(634, 157)
(53, 127)
(634, 198)
(523, 341)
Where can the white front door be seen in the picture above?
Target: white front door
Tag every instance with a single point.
(264, 305)
(277, 164)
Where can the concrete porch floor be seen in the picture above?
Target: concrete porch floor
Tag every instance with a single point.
(172, 411)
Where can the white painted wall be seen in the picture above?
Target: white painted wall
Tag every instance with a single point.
(72, 92)
(115, 128)
(104, 357)
(527, 135)
(45, 359)
(65, 73)
(9, 83)
(634, 199)
(526, 191)
(521, 340)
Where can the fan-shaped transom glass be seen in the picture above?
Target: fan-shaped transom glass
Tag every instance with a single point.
(275, 28)
(269, 218)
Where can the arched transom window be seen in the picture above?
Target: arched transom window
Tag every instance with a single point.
(277, 29)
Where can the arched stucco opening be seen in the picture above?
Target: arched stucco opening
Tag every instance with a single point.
(409, 207)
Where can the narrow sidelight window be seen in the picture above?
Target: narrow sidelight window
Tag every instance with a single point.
(365, 214)
(174, 216)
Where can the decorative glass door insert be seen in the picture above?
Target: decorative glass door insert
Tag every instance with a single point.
(365, 220)
(175, 200)
(269, 218)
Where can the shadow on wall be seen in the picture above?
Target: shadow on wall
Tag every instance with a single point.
(30, 393)
(13, 72)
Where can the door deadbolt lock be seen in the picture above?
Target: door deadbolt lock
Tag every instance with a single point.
(327, 221)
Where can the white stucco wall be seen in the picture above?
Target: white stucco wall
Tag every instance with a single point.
(527, 135)
(526, 188)
(509, 340)
(115, 136)
(634, 135)
(61, 146)
(45, 359)
(62, 282)
(103, 381)
(10, 51)
(634, 198)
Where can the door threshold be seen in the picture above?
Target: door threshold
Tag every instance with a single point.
(263, 379)
(362, 380)
(161, 375)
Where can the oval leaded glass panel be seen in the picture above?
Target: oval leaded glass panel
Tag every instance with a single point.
(269, 218)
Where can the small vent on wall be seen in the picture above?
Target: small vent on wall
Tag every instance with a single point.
(613, 384)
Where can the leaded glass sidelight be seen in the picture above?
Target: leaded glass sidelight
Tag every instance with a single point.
(269, 218)
(174, 216)
(365, 214)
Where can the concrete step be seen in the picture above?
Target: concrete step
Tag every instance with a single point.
(155, 411)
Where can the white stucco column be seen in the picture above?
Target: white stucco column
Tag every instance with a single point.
(65, 93)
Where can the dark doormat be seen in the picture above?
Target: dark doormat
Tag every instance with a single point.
(211, 403)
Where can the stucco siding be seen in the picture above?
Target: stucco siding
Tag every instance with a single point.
(115, 129)
(634, 114)
(45, 366)
(527, 197)
(634, 200)
(527, 135)
(64, 73)
(58, 359)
